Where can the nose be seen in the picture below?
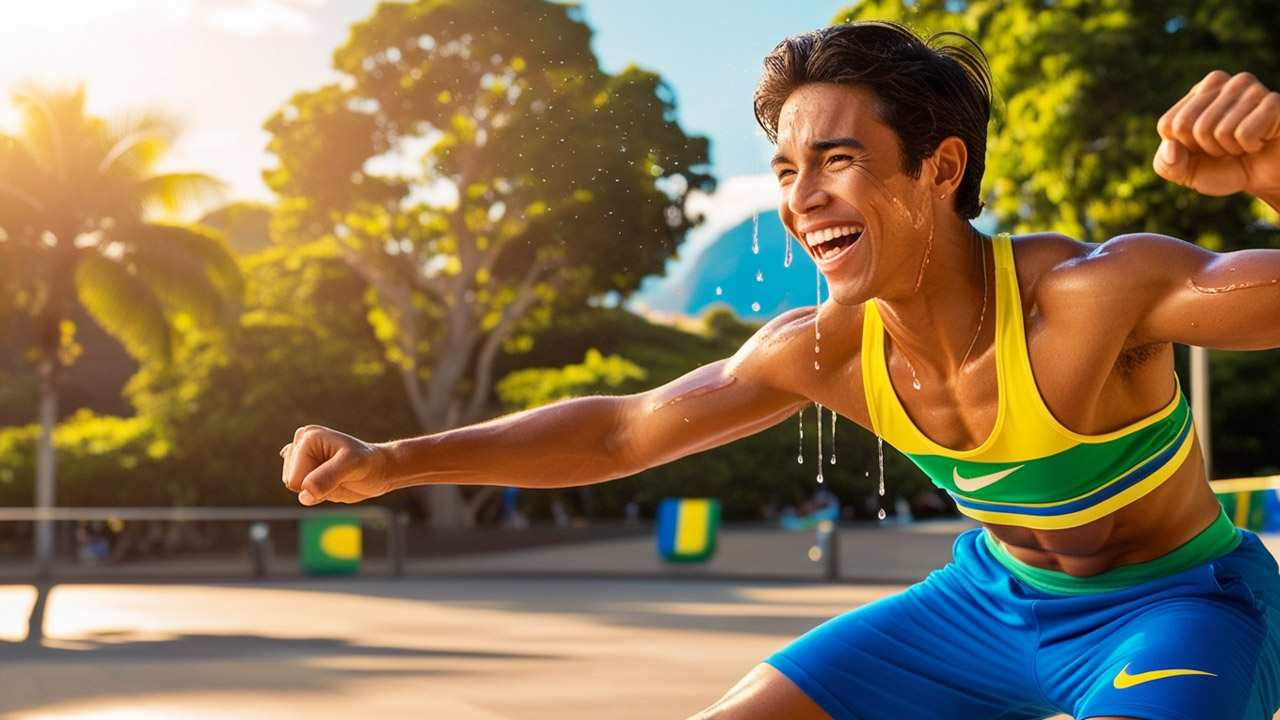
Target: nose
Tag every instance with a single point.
(805, 195)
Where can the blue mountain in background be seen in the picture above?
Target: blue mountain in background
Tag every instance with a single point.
(755, 285)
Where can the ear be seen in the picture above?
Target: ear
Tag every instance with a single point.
(948, 161)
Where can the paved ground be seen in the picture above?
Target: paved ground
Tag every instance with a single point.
(571, 631)
(566, 632)
(455, 648)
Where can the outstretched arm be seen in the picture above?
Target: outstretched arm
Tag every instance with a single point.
(574, 442)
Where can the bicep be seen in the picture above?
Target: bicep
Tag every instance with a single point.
(708, 407)
(1192, 296)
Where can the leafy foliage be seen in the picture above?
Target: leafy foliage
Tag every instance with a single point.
(303, 354)
(1080, 85)
(105, 461)
(77, 195)
(596, 373)
(479, 172)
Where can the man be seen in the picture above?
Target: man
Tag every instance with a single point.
(1032, 378)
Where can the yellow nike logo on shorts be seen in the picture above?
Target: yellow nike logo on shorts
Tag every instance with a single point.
(1125, 680)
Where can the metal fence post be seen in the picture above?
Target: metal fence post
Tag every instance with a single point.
(397, 533)
(260, 547)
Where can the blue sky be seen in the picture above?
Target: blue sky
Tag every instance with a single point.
(225, 66)
(710, 52)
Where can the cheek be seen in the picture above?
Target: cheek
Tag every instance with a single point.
(893, 201)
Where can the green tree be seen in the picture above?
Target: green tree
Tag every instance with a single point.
(303, 353)
(1079, 87)
(535, 387)
(77, 198)
(478, 170)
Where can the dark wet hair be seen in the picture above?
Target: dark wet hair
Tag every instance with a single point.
(928, 89)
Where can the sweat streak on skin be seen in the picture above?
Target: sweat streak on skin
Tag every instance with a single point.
(917, 220)
(678, 392)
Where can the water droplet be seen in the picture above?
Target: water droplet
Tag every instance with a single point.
(881, 514)
(800, 455)
(755, 307)
(759, 276)
(880, 455)
(819, 409)
(816, 366)
(833, 437)
(755, 234)
(786, 258)
(719, 290)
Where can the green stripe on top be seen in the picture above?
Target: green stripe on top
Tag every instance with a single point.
(1220, 538)
(1077, 472)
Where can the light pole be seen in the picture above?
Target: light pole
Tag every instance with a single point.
(1200, 404)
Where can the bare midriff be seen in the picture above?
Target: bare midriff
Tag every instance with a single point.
(1144, 530)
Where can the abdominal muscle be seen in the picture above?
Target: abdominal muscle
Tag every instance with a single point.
(1146, 529)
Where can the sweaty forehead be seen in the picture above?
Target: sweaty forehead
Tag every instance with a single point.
(822, 111)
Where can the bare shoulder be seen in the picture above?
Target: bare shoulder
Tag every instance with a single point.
(1057, 264)
(781, 353)
(776, 340)
(1039, 256)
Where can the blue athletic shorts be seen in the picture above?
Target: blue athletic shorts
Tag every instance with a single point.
(971, 642)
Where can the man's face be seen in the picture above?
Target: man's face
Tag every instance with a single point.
(844, 196)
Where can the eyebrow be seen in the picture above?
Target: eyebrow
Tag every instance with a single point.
(823, 146)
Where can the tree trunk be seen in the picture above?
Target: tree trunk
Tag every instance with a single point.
(447, 509)
(46, 463)
(49, 340)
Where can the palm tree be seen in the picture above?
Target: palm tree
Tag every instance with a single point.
(78, 198)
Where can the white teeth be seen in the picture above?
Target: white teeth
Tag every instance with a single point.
(818, 237)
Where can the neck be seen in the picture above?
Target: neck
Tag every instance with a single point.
(943, 323)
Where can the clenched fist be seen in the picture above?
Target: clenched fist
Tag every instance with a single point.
(322, 464)
(1223, 138)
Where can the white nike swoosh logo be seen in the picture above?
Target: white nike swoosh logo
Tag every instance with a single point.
(975, 484)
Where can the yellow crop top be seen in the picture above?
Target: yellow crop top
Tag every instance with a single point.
(1031, 472)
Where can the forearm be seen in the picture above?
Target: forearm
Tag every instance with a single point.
(575, 442)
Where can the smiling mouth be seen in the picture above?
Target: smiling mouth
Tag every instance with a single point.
(828, 242)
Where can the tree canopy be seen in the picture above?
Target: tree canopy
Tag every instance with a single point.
(1079, 87)
(477, 168)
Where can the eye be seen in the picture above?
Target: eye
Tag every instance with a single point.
(839, 160)
(785, 174)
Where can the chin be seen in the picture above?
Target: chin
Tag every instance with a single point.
(847, 296)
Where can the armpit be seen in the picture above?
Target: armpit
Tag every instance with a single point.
(1137, 356)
